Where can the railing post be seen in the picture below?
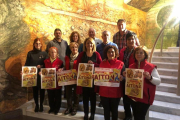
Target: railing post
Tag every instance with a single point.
(178, 80)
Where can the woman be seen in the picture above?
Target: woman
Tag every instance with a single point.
(151, 79)
(75, 37)
(127, 56)
(70, 62)
(54, 95)
(89, 55)
(110, 96)
(36, 58)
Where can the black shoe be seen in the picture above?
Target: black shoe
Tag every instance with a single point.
(127, 118)
(41, 108)
(74, 111)
(55, 112)
(100, 105)
(50, 111)
(86, 117)
(91, 117)
(67, 111)
(36, 108)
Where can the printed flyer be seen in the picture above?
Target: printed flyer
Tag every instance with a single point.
(134, 82)
(85, 72)
(48, 78)
(107, 77)
(29, 76)
(67, 77)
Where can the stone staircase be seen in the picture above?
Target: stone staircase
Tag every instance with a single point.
(165, 107)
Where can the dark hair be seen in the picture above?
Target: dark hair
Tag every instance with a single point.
(129, 34)
(144, 48)
(57, 29)
(35, 40)
(106, 50)
(121, 20)
(71, 37)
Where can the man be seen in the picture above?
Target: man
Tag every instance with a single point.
(120, 37)
(106, 41)
(92, 34)
(59, 43)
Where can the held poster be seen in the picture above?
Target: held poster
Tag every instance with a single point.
(134, 82)
(85, 72)
(48, 78)
(107, 77)
(29, 76)
(67, 77)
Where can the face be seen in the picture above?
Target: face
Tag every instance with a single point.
(74, 49)
(106, 36)
(75, 37)
(140, 55)
(38, 45)
(91, 33)
(130, 41)
(53, 53)
(58, 34)
(111, 54)
(89, 45)
(121, 26)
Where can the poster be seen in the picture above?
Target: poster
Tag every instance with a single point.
(67, 77)
(48, 78)
(107, 77)
(29, 76)
(85, 72)
(134, 82)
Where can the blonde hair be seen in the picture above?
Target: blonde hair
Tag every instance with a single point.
(72, 44)
(93, 42)
(54, 49)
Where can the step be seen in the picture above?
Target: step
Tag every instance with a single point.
(168, 79)
(162, 116)
(172, 49)
(166, 54)
(167, 97)
(168, 72)
(165, 59)
(166, 65)
(166, 87)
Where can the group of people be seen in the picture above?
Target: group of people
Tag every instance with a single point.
(123, 52)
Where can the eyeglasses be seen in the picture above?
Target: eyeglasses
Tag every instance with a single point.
(38, 43)
(141, 53)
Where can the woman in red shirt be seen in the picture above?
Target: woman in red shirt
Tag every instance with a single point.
(110, 96)
(54, 95)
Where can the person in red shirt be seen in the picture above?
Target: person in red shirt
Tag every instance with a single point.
(151, 79)
(127, 56)
(89, 55)
(110, 96)
(54, 95)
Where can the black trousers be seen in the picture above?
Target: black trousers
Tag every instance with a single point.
(35, 95)
(72, 96)
(54, 97)
(110, 105)
(139, 110)
(89, 94)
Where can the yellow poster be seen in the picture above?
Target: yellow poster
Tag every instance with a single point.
(48, 78)
(107, 77)
(134, 82)
(29, 76)
(85, 72)
(67, 77)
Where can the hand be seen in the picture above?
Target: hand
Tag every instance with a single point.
(20, 72)
(38, 66)
(40, 73)
(104, 59)
(147, 75)
(89, 61)
(121, 77)
(124, 73)
(60, 69)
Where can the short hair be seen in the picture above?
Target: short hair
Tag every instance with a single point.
(51, 49)
(107, 32)
(129, 34)
(106, 50)
(35, 40)
(121, 20)
(72, 44)
(92, 28)
(57, 29)
(144, 48)
(92, 40)
(71, 37)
